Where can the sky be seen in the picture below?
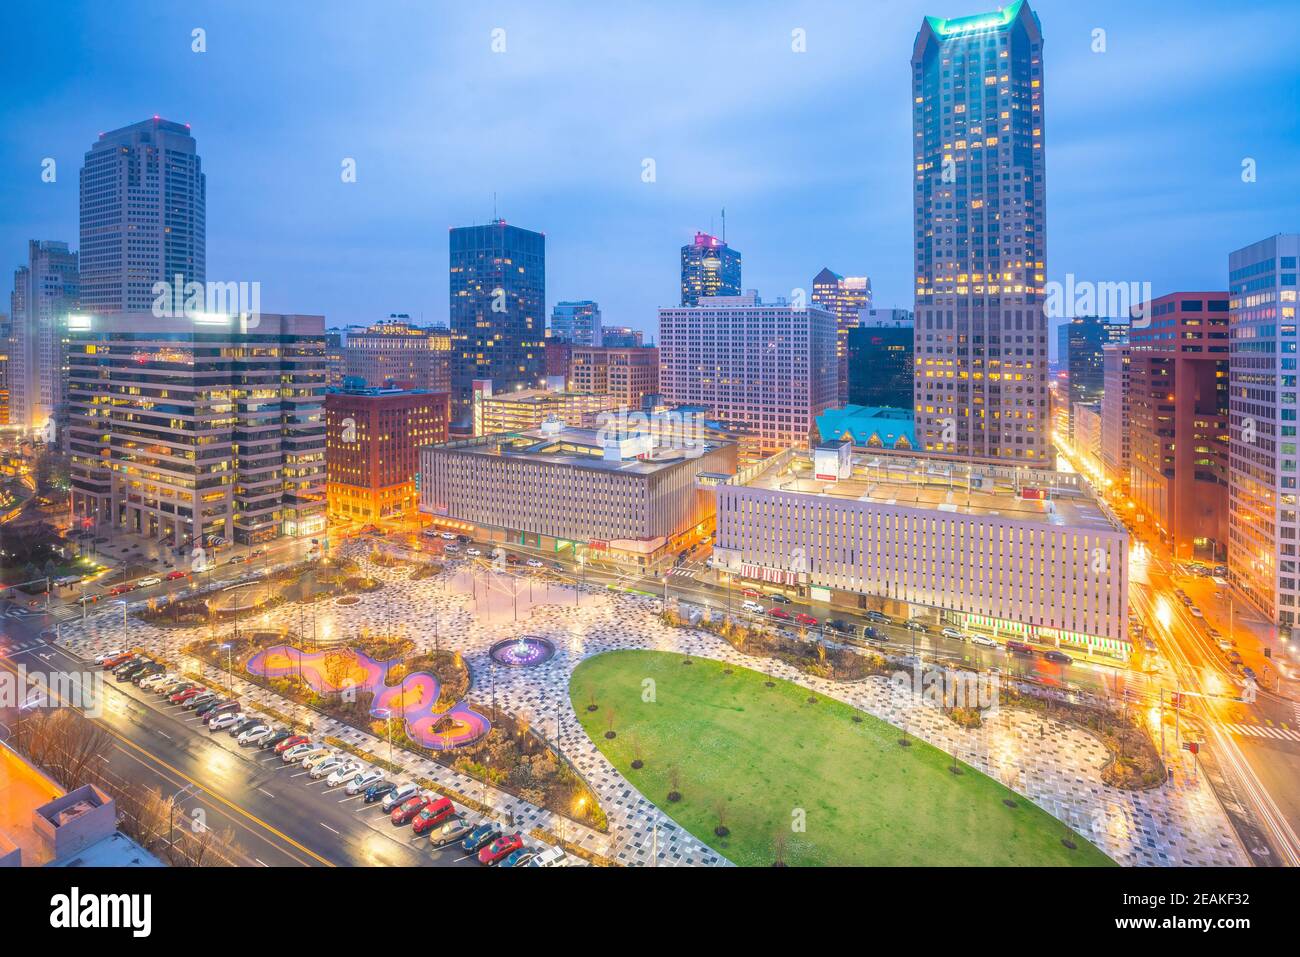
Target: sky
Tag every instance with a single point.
(809, 152)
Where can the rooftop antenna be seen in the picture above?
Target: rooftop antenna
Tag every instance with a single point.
(724, 224)
(494, 205)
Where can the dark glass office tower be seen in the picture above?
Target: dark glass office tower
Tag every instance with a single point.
(709, 268)
(980, 236)
(498, 311)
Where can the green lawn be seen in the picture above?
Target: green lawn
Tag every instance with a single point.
(769, 753)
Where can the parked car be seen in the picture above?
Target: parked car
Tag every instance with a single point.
(378, 791)
(250, 721)
(117, 660)
(1019, 648)
(843, 627)
(954, 633)
(326, 766)
(805, 619)
(751, 593)
(103, 659)
(186, 694)
(315, 755)
(148, 582)
(296, 752)
(781, 599)
(453, 829)
(399, 794)
(149, 681)
(148, 671)
(753, 607)
(274, 738)
(480, 837)
(342, 774)
(500, 849)
(869, 632)
(779, 613)
(405, 812)
(364, 779)
(225, 720)
(519, 858)
(473, 552)
(175, 576)
(432, 815)
(983, 641)
(913, 625)
(448, 536)
(535, 563)
(293, 741)
(253, 735)
(1058, 657)
(213, 708)
(551, 857)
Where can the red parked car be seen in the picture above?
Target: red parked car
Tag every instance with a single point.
(502, 847)
(290, 742)
(181, 697)
(433, 814)
(122, 659)
(173, 576)
(120, 590)
(805, 619)
(750, 593)
(778, 613)
(406, 811)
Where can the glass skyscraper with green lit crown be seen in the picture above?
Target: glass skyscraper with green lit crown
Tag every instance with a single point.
(979, 180)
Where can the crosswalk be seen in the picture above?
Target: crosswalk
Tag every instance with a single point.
(14, 646)
(1263, 731)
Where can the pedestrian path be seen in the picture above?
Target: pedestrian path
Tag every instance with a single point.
(14, 646)
(1262, 731)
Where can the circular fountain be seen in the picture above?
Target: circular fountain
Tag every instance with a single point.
(522, 652)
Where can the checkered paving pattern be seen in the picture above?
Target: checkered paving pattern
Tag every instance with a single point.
(1054, 765)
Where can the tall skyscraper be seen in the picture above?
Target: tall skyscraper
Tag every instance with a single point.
(1264, 514)
(1079, 351)
(45, 291)
(844, 297)
(143, 215)
(766, 369)
(980, 236)
(1116, 448)
(498, 311)
(709, 268)
(576, 322)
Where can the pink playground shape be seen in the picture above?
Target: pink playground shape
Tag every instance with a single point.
(412, 700)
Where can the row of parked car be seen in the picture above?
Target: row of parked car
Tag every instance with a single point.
(405, 803)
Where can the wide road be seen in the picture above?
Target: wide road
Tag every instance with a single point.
(278, 816)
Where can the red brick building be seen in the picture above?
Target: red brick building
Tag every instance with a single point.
(373, 439)
(1178, 420)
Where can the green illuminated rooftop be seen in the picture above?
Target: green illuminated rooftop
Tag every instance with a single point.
(976, 23)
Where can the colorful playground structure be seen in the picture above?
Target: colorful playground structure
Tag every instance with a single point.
(412, 700)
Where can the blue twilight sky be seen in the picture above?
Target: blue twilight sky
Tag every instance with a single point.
(809, 152)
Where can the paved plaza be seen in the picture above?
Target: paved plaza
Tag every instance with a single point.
(1056, 766)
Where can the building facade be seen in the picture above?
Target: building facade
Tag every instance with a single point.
(709, 268)
(1264, 517)
(1178, 421)
(498, 310)
(621, 337)
(844, 297)
(1115, 439)
(980, 229)
(628, 374)
(1046, 563)
(560, 488)
(373, 439)
(1079, 350)
(765, 369)
(527, 409)
(46, 291)
(881, 369)
(182, 429)
(394, 351)
(143, 216)
(576, 322)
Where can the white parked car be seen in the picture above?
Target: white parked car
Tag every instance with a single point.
(535, 563)
(363, 780)
(394, 798)
(320, 769)
(225, 720)
(474, 552)
(551, 857)
(751, 606)
(343, 773)
(148, 582)
(448, 536)
(984, 642)
(297, 752)
(101, 658)
(253, 735)
(317, 752)
(154, 680)
(951, 632)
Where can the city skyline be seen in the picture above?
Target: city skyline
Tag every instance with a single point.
(316, 247)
